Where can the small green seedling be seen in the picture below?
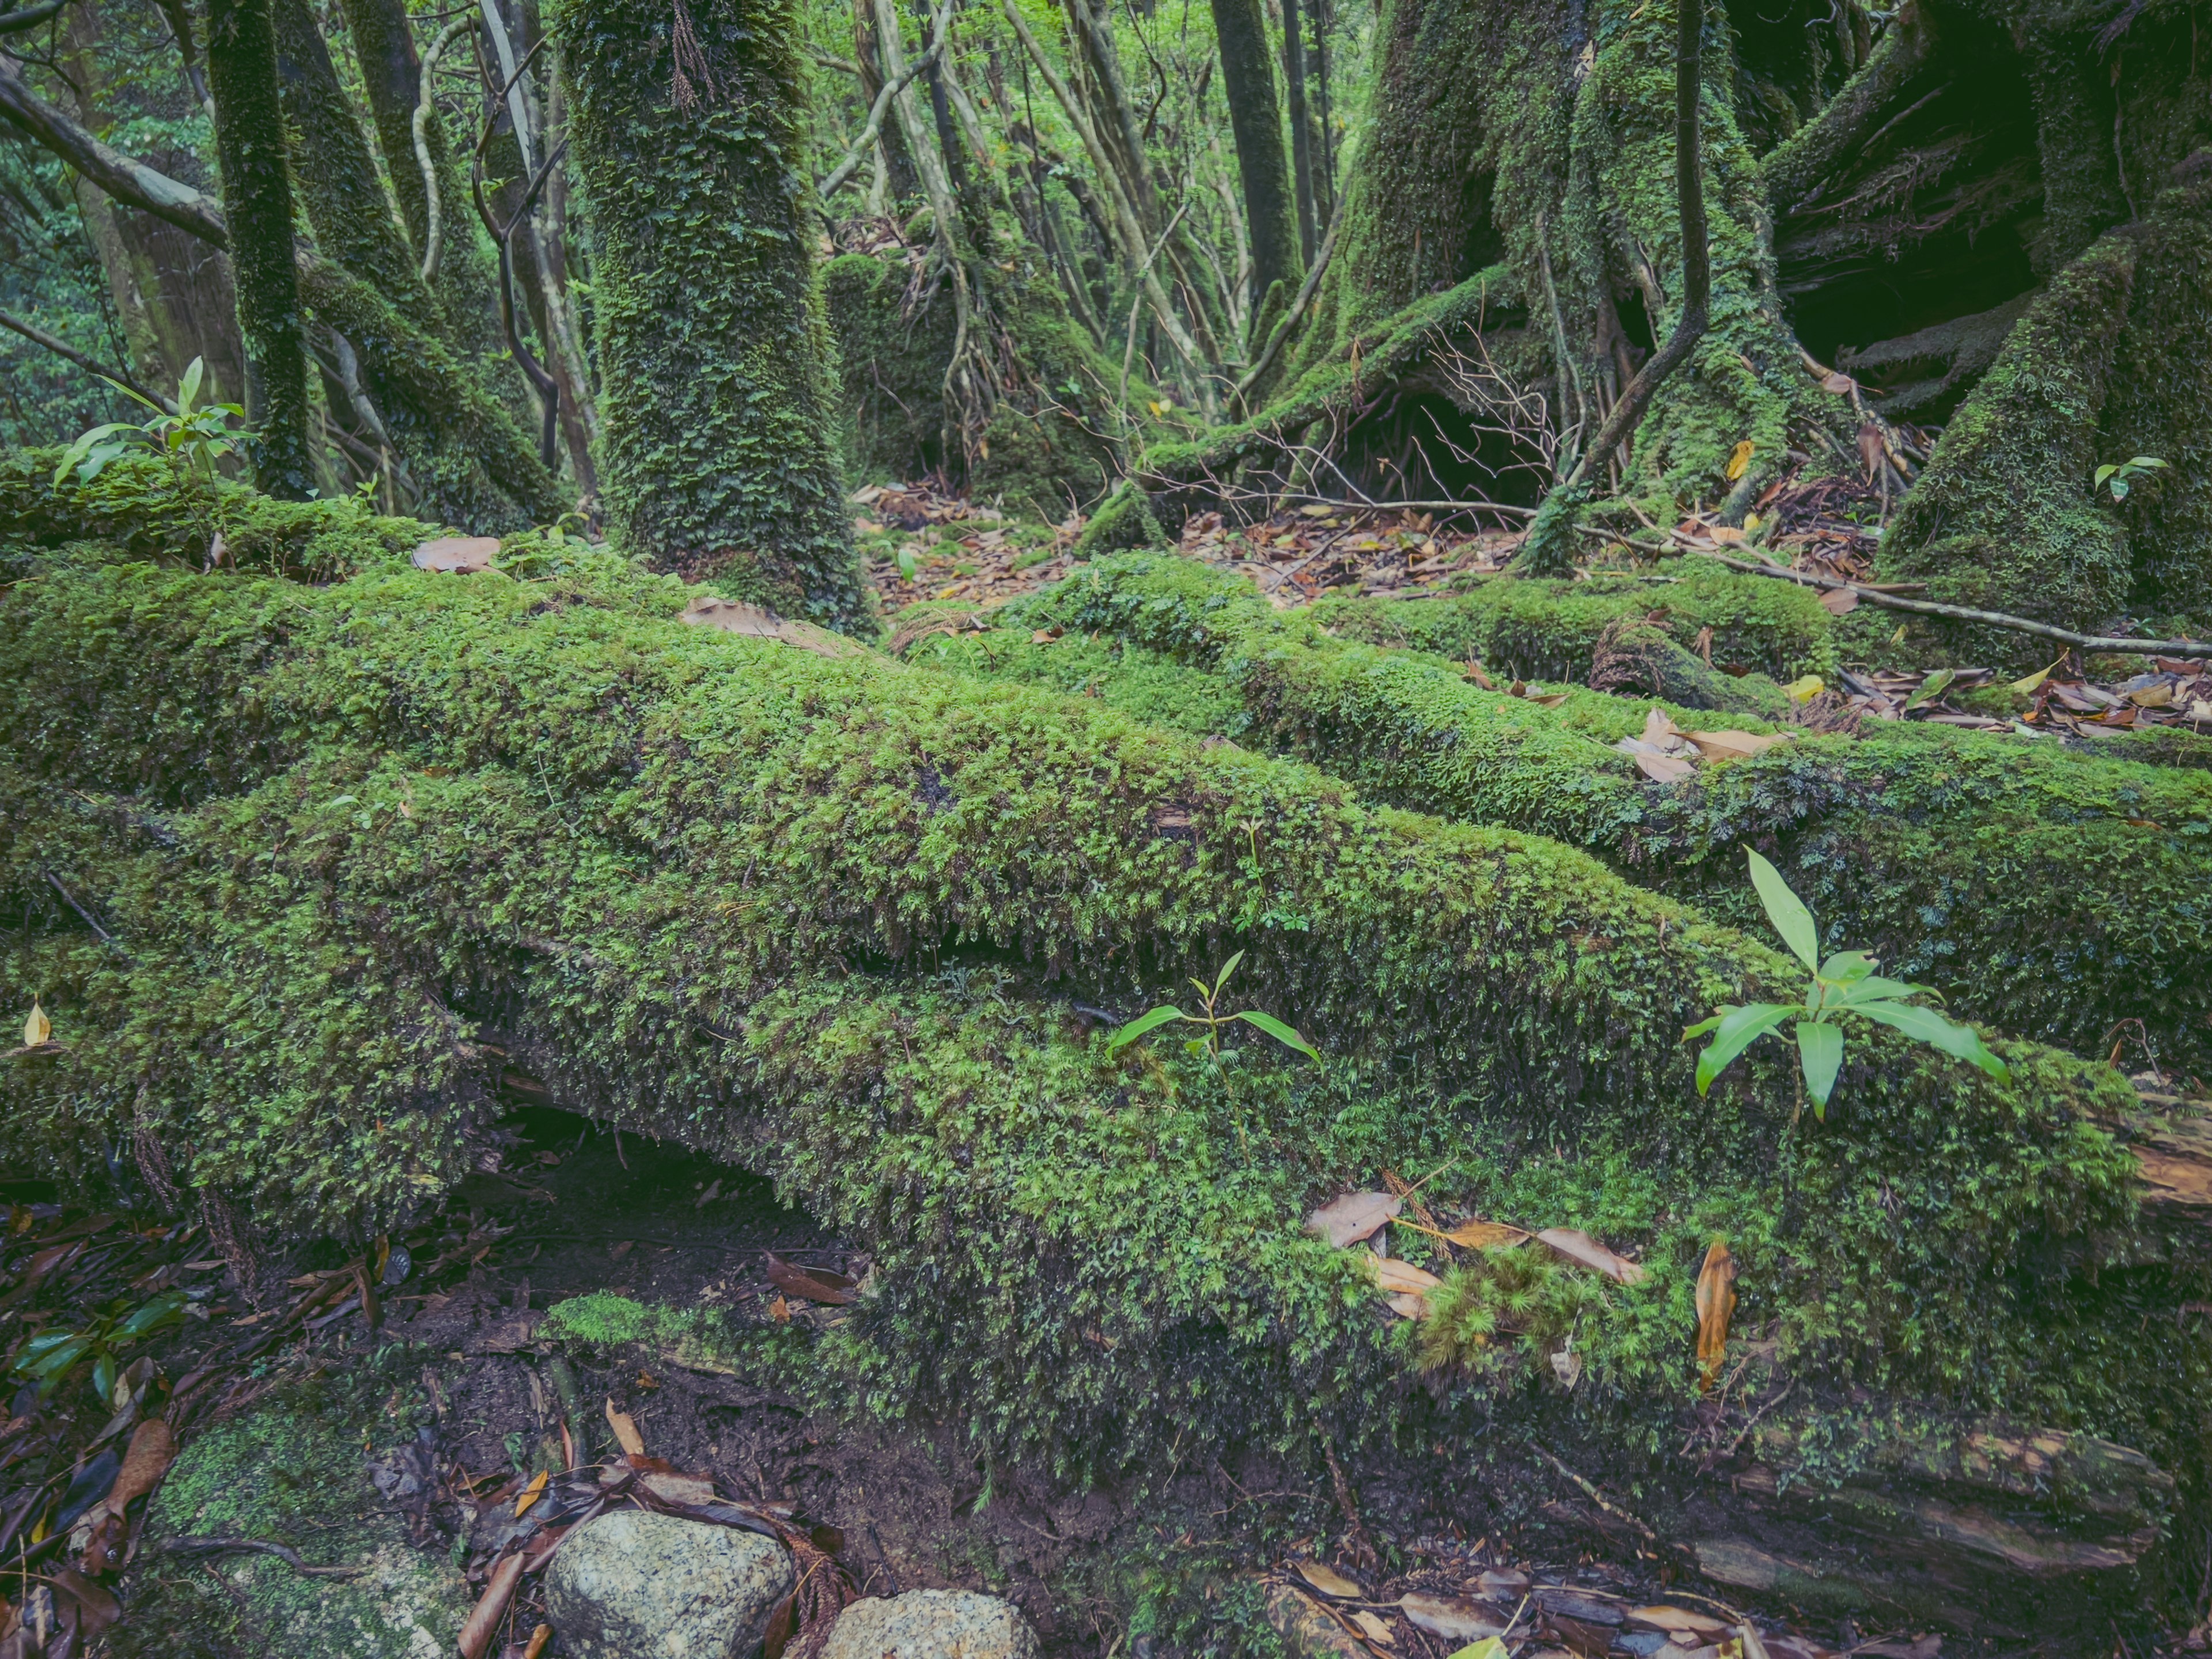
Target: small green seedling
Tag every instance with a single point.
(1213, 1019)
(50, 1355)
(193, 438)
(1845, 983)
(2120, 475)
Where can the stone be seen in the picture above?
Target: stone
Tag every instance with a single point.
(631, 1584)
(929, 1623)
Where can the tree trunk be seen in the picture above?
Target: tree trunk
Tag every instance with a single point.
(257, 192)
(1248, 80)
(1294, 63)
(721, 460)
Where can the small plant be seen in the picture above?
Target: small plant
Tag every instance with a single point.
(193, 438)
(1845, 984)
(2118, 475)
(50, 1356)
(1213, 1019)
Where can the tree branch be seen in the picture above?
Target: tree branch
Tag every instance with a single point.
(38, 336)
(841, 174)
(121, 176)
(15, 22)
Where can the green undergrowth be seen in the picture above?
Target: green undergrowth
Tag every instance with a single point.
(2056, 891)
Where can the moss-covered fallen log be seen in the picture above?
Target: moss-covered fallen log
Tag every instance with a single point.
(353, 852)
(2058, 892)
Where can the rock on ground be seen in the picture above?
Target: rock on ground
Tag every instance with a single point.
(636, 1585)
(929, 1623)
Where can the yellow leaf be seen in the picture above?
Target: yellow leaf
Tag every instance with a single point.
(625, 1428)
(1328, 1581)
(1740, 460)
(1733, 745)
(1715, 1307)
(1751, 523)
(2034, 680)
(1155, 409)
(38, 1028)
(530, 1494)
(1483, 1235)
(1806, 690)
(1489, 1648)
(1372, 1627)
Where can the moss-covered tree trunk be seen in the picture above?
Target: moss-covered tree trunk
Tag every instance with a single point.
(1255, 119)
(257, 192)
(720, 457)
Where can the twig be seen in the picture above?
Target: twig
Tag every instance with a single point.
(1283, 330)
(283, 1553)
(1410, 507)
(1591, 1492)
(1988, 618)
(434, 238)
(843, 173)
(70, 899)
(38, 336)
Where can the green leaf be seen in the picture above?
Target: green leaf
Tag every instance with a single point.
(1847, 967)
(1786, 911)
(1227, 968)
(1931, 687)
(49, 1365)
(189, 387)
(2146, 460)
(77, 451)
(103, 1377)
(2120, 488)
(2104, 472)
(1875, 988)
(1820, 1052)
(1702, 1027)
(1738, 1029)
(1282, 1033)
(1143, 1023)
(162, 1310)
(1931, 1028)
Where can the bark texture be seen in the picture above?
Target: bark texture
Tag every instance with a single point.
(1256, 117)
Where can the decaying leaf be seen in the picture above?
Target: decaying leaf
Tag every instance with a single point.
(1450, 1617)
(753, 622)
(1839, 384)
(1372, 1627)
(625, 1428)
(483, 1625)
(1664, 769)
(810, 1284)
(1870, 449)
(694, 1488)
(1328, 1581)
(1679, 1620)
(1579, 1248)
(1356, 1216)
(38, 1028)
(1733, 745)
(1807, 689)
(457, 553)
(530, 1494)
(1739, 461)
(1483, 1235)
(539, 1638)
(1715, 1307)
(1394, 1276)
(1838, 601)
(1567, 1366)
(153, 1448)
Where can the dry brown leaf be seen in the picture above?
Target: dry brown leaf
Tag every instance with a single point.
(1550, 699)
(530, 1494)
(1356, 1216)
(1715, 1307)
(38, 1028)
(1661, 1616)
(1733, 745)
(1726, 535)
(693, 1489)
(483, 1625)
(153, 1448)
(458, 555)
(810, 1284)
(539, 1638)
(1840, 384)
(1328, 1581)
(1578, 1247)
(1483, 1235)
(1409, 1304)
(1372, 1627)
(1660, 730)
(1450, 1617)
(1664, 769)
(1870, 448)
(1838, 601)
(1394, 1276)
(625, 1428)
(752, 622)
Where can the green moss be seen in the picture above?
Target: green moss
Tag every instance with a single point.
(1124, 522)
(720, 450)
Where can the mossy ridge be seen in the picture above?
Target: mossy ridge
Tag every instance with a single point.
(2059, 891)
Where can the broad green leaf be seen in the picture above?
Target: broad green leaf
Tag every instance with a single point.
(103, 1375)
(1739, 1028)
(1282, 1033)
(2106, 472)
(161, 1310)
(2041, 674)
(189, 387)
(1702, 1027)
(1143, 1023)
(1931, 1028)
(1786, 912)
(1227, 968)
(2119, 487)
(77, 451)
(49, 1365)
(1821, 1051)
(1931, 687)
(2146, 460)
(135, 397)
(1847, 967)
(1875, 988)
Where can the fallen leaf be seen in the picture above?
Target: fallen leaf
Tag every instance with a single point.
(482, 1624)
(1372, 1627)
(2024, 687)
(1839, 383)
(1838, 601)
(625, 1428)
(1805, 690)
(693, 1489)
(38, 1028)
(620, 1248)
(1550, 699)
(153, 1448)
(753, 622)
(458, 555)
(530, 1494)
(1715, 1307)
(1451, 1618)
(1044, 636)
(539, 1638)
(1931, 687)
(1499, 1582)
(810, 1284)
(1578, 1247)
(714, 1191)
(1474, 672)
(1483, 1235)
(1660, 730)
(1356, 1216)
(1739, 463)
(1567, 1366)
(1661, 1616)
(1328, 1581)
(2151, 696)
(1409, 1304)
(1870, 449)
(1489, 1648)
(780, 1310)
(1394, 1276)
(1733, 745)
(1664, 768)
(1726, 535)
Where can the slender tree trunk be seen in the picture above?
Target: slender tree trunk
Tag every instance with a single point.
(903, 183)
(721, 460)
(1294, 62)
(1255, 117)
(256, 193)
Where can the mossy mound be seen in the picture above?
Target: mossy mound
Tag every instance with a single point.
(2055, 890)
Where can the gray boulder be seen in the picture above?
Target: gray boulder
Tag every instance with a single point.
(930, 1623)
(635, 1585)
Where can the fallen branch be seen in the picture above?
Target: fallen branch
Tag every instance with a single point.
(1988, 618)
(38, 336)
(283, 1553)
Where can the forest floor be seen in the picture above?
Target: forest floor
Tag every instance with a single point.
(458, 1386)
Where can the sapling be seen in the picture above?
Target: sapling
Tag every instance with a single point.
(1213, 1019)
